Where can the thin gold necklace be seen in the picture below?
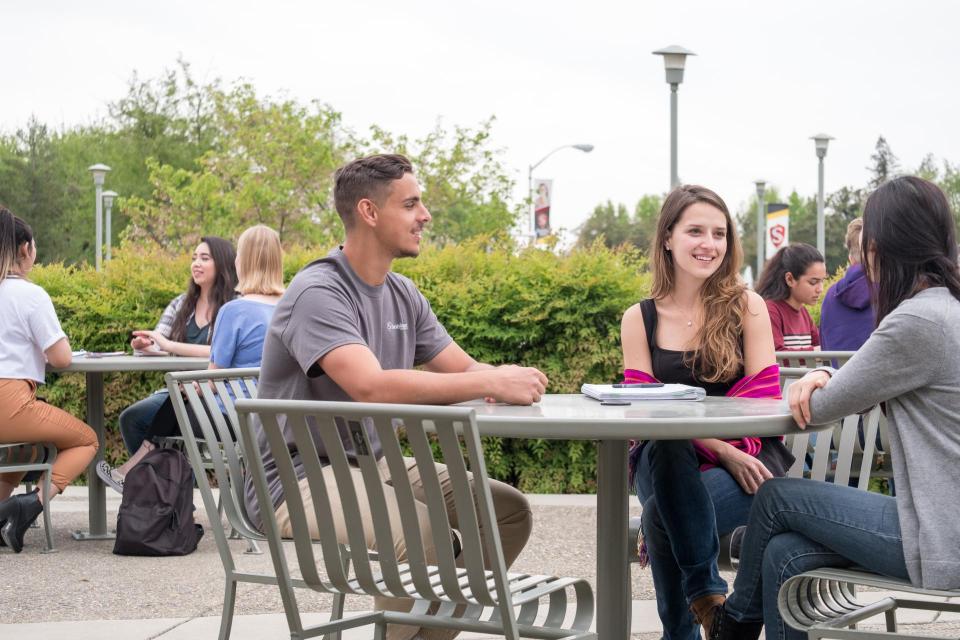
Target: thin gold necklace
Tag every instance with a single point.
(677, 305)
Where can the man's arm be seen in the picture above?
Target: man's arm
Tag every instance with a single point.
(453, 359)
(356, 370)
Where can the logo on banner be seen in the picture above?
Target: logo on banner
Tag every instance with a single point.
(778, 228)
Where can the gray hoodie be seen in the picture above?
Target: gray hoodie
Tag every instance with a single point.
(912, 361)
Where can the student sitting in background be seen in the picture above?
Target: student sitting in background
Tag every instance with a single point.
(31, 337)
(184, 329)
(846, 317)
(792, 278)
(238, 337)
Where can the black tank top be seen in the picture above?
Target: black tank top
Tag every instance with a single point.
(668, 364)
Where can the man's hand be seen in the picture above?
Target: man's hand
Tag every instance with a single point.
(800, 392)
(517, 385)
(745, 469)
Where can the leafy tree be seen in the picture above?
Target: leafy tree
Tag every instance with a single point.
(884, 164)
(272, 164)
(465, 185)
(615, 226)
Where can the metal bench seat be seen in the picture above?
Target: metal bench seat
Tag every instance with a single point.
(824, 602)
(32, 456)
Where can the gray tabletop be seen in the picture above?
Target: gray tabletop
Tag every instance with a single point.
(575, 416)
(110, 364)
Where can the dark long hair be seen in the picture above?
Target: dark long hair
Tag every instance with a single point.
(223, 291)
(795, 259)
(14, 232)
(909, 231)
(718, 355)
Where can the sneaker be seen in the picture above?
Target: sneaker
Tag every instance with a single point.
(110, 477)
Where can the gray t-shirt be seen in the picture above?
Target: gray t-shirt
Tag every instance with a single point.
(328, 306)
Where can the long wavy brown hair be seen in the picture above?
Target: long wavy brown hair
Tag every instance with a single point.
(718, 356)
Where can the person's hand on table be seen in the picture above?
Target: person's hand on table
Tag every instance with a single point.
(517, 385)
(140, 342)
(800, 392)
(151, 339)
(745, 469)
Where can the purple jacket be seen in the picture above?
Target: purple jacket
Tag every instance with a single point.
(846, 317)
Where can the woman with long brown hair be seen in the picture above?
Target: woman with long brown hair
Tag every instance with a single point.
(701, 327)
(185, 328)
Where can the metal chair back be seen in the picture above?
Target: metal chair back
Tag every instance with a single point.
(471, 574)
(221, 451)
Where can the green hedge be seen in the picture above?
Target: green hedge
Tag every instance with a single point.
(558, 313)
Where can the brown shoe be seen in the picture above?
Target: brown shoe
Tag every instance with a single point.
(705, 608)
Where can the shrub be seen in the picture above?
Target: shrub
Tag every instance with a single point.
(560, 314)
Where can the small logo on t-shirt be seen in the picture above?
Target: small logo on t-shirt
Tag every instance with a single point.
(396, 326)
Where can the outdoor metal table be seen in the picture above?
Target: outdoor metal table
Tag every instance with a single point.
(94, 368)
(576, 417)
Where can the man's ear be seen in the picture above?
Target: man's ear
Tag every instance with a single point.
(367, 212)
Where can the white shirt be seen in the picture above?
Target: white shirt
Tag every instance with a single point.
(28, 327)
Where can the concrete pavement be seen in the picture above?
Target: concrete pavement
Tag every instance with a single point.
(90, 593)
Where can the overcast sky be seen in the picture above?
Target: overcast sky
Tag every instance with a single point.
(767, 76)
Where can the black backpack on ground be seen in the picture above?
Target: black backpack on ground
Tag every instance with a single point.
(156, 513)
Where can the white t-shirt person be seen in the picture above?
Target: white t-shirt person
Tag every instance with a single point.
(30, 327)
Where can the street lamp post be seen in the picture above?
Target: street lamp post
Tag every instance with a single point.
(674, 59)
(108, 197)
(761, 232)
(99, 172)
(586, 148)
(821, 140)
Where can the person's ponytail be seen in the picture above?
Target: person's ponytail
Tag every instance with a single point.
(14, 232)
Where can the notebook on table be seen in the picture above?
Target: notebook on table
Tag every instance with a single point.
(606, 392)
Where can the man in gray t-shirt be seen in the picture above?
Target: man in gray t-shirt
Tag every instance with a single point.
(348, 328)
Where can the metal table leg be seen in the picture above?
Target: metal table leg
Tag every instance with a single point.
(96, 491)
(613, 571)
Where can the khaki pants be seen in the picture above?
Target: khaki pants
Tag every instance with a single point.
(514, 520)
(23, 418)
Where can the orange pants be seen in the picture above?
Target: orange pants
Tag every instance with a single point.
(23, 418)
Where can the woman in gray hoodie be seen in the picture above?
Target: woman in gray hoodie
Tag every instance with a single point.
(911, 363)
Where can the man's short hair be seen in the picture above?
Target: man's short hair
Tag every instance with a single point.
(366, 177)
(852, 241)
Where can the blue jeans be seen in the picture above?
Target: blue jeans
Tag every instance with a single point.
(136, 419)
(798, 525)
(684, 511)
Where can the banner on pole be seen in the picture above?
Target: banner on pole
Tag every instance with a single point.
(778, 227)
(542, 192)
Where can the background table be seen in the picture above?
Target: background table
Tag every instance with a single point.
(576, 417)
(94, 368)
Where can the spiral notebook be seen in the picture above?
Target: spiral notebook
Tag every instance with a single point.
(605, 392)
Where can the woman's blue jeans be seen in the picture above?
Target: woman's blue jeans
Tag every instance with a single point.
(136, 419)
(684, 511)
(798, 525)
